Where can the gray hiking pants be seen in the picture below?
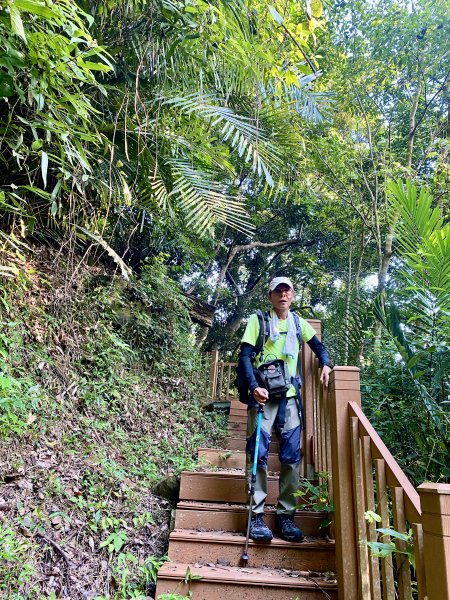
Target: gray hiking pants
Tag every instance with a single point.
(289, 442)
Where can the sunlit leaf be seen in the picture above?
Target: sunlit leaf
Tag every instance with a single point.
(16, 21)
(44, 167)
(275, 15)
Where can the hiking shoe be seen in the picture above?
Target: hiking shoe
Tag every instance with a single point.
(259, 530)
(287, 530)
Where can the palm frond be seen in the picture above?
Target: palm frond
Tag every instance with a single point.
(424, 243)
(313, 106)
(205, 201)
(389, 316)
(347, 329)
(241, 132)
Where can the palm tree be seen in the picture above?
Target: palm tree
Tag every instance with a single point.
(416, 313)
(195, 103)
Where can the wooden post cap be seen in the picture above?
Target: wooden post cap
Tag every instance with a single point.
(435, 498)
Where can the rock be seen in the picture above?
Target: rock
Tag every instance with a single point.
(168, 488)
(25, 484)
(223, 562)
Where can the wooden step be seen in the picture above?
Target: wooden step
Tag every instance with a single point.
(237, 442)
(237, 419)
(221, 486)
(228, 583)
(231, 459)
(205, 516)
(237, 427)
(238, 411)
(238, 406)
(191, 546)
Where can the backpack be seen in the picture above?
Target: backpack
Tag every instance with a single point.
(264, 330)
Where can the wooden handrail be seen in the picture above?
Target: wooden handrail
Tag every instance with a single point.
(395, 476)
(366, 477)
(221, 376)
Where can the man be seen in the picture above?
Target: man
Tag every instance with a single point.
(284, 413)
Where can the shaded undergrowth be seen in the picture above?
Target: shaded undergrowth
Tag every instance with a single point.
(101, 390)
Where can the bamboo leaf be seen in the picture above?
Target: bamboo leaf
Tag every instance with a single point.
(44, 167)
(275, 15)
(16, 21)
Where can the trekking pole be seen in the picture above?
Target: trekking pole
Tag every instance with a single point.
(244, 556)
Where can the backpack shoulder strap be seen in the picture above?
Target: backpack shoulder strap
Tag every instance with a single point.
(263, 320)
(298, 329)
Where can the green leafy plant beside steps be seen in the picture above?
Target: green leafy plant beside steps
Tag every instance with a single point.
(386, 549)
(315, 497)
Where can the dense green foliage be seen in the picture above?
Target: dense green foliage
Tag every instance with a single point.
(415, 312)
(48, 61)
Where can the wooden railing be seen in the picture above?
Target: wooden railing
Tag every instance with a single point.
(364, 476)
(221, 379)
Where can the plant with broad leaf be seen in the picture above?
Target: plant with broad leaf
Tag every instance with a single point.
(315, 497)
(384, 549)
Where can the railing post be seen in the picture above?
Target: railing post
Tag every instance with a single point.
(344, 388)
(435, 504)
(214, 362)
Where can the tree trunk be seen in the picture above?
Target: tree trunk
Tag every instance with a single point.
(412, 126)
(231, 329)
(348, 293)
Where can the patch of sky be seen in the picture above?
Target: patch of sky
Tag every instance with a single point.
(370, 282)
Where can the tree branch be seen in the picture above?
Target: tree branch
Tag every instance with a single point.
(243, 248)
(305, 56)
(428, 104)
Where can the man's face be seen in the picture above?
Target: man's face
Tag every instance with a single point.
(281, 297)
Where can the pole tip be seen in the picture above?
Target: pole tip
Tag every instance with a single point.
(244, 559)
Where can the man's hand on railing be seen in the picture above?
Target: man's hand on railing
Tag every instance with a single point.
(325, 375)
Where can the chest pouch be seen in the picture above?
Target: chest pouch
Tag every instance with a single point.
(275, 377)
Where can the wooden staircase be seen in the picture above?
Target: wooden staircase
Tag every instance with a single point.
(339, 440)
(207, 542)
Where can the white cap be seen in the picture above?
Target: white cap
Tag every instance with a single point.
(278, 281)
